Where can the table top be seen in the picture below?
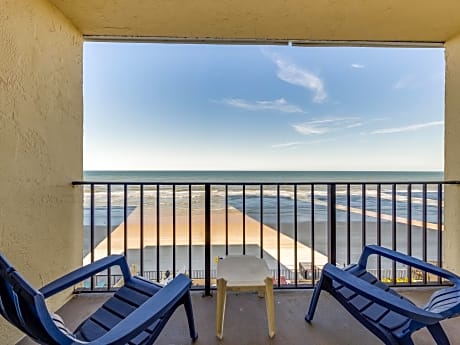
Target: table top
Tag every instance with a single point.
(243, 270)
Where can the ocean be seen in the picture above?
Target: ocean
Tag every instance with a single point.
(262, 176)
(252, 192)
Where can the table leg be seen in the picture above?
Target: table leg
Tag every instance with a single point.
(220, 306)
(270, 303)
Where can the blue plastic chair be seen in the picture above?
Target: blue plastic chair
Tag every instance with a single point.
(135, 314)
(383, 311)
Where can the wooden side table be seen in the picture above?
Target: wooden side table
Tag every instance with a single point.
(244, 273)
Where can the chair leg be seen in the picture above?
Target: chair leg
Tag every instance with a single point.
(220, 307)
(270, 304)
(314, 300)
(438, 334)
(189, 313)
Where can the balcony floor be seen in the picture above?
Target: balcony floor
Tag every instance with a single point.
(246, 321)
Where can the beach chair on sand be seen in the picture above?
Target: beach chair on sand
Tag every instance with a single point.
(135, 314)
(383, 311)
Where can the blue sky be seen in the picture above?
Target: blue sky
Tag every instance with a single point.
(223, 107)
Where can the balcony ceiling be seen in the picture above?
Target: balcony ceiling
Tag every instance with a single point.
(320, 20)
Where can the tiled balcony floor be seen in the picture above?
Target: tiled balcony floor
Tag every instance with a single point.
(246, 321)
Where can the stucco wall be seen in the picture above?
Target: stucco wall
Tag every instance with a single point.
(40, 143)
(389, 20)
(452, 154)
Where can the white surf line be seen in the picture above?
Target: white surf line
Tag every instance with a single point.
(389, 217)
(388, 196)
(414, 200)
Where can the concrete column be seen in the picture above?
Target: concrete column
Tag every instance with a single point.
(452, 155)
(41, 144)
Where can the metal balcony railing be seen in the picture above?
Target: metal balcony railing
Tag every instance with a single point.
(167, 228)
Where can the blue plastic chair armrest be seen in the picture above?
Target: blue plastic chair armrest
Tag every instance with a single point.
(407, 260)
(380, 296)
(147, 313)
(85, 272)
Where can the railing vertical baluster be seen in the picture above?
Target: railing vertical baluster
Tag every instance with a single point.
(278, 227)
(261, 221)
(174, 229)
(142, 229)
(226, 219)
(125, 219)
(393, 228)
(332, 224)
(363, 215)
(312, 233)
(409, 229)
(92, 242)
(244, 219)
(295, 235)
(424, 228)
(439, 253)
(379, 229)
(190, 230)
(158, 232)
(207, 244)
(109, 232)
(348, 224)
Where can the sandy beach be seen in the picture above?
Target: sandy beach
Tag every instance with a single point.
(182, 239)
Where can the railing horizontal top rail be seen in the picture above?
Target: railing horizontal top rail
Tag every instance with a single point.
(137, 183)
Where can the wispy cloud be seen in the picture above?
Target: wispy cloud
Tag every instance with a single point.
(409, 128)
(312, 127)
(357, 65)
(320, 141)
(291, 144)
(295, 144)
(278, 104)
(403, 82)
(295, 75)
(354, 125)
(324, 126)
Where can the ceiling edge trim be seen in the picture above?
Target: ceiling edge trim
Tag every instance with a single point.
(293, 42)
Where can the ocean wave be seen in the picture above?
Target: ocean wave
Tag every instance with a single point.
(182, 196)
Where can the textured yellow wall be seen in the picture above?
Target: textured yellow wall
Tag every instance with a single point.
(452, 154)
(41, 142)
(387, 20)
